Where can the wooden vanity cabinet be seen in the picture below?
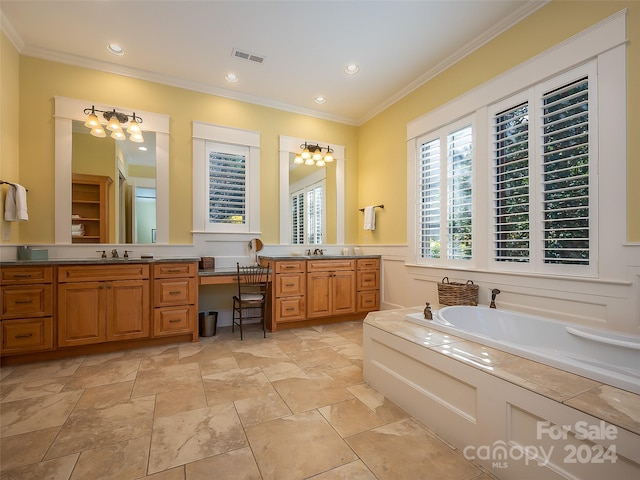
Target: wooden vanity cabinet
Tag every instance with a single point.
(368, 284)
(330, 288)
(27, 309)
(288, 285)
(102, 303)
(175, 299)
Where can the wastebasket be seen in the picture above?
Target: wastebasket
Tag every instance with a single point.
(207, 323)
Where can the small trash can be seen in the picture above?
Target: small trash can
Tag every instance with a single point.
(207, 324)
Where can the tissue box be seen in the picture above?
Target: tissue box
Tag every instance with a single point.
(27, 253)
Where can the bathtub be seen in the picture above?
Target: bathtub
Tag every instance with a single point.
(605, 356)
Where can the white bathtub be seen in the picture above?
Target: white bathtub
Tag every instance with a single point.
(601, 355)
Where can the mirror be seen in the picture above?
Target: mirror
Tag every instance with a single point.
(141, 216)
(132, 192)
(293, 179)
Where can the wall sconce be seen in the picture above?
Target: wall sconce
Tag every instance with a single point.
(115, 123)
(312, 155)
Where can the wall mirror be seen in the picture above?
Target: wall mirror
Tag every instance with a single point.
(291, 179)
(139, 192)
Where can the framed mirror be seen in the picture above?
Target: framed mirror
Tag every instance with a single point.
(290, 183)
(140, 201)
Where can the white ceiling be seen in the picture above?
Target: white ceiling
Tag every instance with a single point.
(306, 44)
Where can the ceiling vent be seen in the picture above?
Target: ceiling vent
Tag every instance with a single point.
(247, 56)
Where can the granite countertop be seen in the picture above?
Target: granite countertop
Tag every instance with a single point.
(614, 405)
(95, 261)
(317, 257)
(218, 271)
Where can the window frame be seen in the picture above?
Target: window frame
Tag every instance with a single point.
(304, 190)
(605, 44)
(204, 135)
(441, 135)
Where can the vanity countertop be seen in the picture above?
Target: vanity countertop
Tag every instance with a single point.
(316, 257)
(94, 261)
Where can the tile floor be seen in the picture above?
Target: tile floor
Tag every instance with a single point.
(292, 406)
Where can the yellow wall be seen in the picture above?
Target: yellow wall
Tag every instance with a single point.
(41, 80)
(9, 133)
(382, 140)
(375, 152)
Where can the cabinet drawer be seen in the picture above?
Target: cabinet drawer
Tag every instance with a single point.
(177, 291)
(19, 301)
(368, 279)
(290, 266)
(368, 301)
(172, 320)
(83, 273)
(171, 270)
(289, 284)
(330, 265)
(289, 309)
(21, 275)
(368, 264)
(29, 335)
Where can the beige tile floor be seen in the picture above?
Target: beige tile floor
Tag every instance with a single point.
(291, 406)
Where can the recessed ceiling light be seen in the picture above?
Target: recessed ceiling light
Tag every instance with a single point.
(351, 69)
(231, 78)
(115, 49)
(320, 100)
(142, 149)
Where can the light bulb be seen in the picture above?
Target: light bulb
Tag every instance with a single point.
(309, 161)
(320, 163)
(134, 127)
(118, 135)
(136, 137)
(92, 121)
(328, 157)
(306, 154)
(98, 131)
(114, 124)
(298, 160)
(317, 155)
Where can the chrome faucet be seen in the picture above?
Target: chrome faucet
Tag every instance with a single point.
(318, 251)
(114, 253)
(494, 293)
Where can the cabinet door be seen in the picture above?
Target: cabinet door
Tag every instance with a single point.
(127, 309)
(344, 292)
(82, 313)
(319, 294)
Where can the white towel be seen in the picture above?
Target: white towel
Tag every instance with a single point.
(77, 227)
(369, 218)
(15, 204)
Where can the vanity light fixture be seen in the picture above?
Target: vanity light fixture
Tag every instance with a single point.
(115, 122)
(312, 155)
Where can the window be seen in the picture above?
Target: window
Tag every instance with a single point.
(226, 180)
(227, 184)
(445, 179)
(552, 167)
(307, 215)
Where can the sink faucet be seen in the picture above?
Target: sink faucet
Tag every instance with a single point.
(114, 253)
(104, 253)
(494, 293)
(318, 251)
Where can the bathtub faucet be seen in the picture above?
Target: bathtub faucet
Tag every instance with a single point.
(494, 293)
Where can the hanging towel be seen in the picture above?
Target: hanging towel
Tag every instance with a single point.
(369, 218)
(15, 204)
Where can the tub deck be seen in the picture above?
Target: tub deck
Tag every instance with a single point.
(439, 383)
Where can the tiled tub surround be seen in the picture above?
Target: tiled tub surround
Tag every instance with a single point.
(291, 406)
(475, 396)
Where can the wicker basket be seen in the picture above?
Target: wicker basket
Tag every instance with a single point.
(207, 263)
(452, 293)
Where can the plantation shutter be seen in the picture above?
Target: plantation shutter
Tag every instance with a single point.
(565, 174)
(297, 218)
(315, 202)
(227, 188)
(429, 178)
(459, 190)
(511, 179)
